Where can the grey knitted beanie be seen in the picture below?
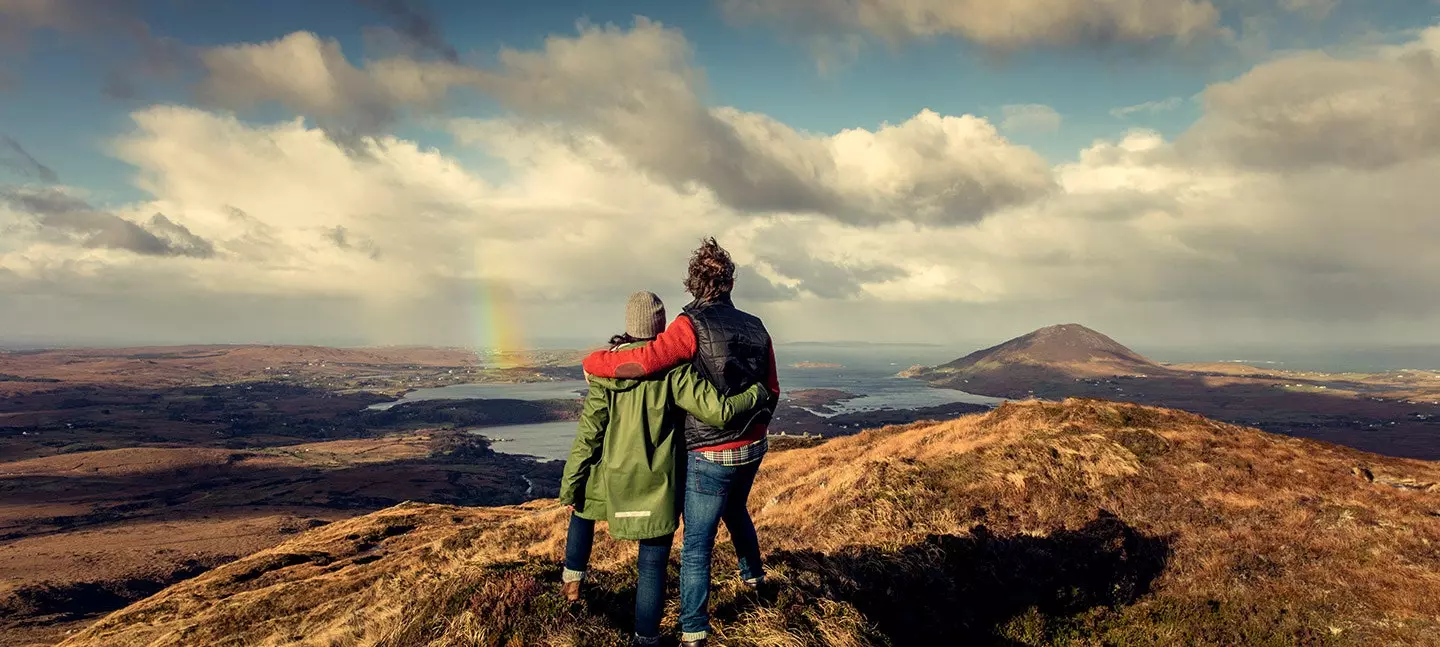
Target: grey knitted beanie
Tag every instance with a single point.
(644, 315)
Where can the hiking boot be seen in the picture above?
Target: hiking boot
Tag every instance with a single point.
(698, 642)
(571, 591)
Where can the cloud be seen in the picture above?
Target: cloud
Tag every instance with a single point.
(347, 241)
(1030, 117)
(14, 157)
(751, 287)
(1312, 109)
(65, 214)
(311, 76)
(99, 22)
(414, 22)
(1001, 26)
(828, 280)
(1313, 8)
(18, 18)
(1198, 236)
(1149, 107)
(637, 89)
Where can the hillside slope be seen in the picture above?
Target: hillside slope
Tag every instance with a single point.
(1076, 523)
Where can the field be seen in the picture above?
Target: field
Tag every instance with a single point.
(122, 471)
(1081, 523)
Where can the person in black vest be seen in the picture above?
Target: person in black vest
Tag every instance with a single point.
(733, 350)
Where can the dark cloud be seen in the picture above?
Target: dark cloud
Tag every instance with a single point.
(119, 86)
(181, 239)
(141, 54)
(14, 157)
(413, 21)
(157, 58)
(829, 280)
(350, 104)
(91, 227)
(1007, 26)
(750, 286)
(347, 241)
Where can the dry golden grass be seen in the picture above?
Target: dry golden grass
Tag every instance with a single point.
(1075, 523)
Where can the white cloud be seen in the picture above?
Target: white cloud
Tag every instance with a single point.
(1296, 201)
(1149, 107)
(636, 89)
(1030, 117)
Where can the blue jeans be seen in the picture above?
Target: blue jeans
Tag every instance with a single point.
(713, 492)
(650, 583)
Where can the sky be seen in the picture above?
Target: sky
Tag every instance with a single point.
(1199, 173)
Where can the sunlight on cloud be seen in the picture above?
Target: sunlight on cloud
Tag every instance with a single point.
(1306, 189)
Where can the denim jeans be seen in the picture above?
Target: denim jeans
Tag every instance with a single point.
(713, 492)
(650, 583)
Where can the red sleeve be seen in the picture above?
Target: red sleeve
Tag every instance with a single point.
(673, 347)
(774, 380)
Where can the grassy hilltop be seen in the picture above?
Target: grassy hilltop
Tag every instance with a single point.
(1076, 523)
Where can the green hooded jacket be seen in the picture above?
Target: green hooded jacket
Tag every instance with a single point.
(626, 466)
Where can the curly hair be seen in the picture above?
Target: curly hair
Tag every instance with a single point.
(712, 273)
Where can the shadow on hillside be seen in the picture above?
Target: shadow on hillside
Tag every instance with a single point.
(966, 589)
(1385, 426)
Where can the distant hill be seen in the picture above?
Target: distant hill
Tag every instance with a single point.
(1073, 523)
(1397, 413)
(1046, 357)
(1071, 345)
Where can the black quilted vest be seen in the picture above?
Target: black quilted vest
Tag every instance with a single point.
(732, 351)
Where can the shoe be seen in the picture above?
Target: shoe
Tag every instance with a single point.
(754, 584)
(693, 643)
(571, 591)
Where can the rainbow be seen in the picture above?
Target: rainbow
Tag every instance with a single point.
(497, 324)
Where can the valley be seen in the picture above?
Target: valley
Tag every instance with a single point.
(127, 471)
(1040, 523)
(123, 471)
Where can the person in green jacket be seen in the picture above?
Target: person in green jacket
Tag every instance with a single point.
(626, 465)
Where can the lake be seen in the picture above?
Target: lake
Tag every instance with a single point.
(544, 440)
(868, 371)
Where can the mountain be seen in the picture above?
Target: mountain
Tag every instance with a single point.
(1082, 522)
(1396, 413)
(1047, 357)
(1071, 345)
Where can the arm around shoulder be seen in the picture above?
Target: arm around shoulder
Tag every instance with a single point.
(673, 347)
(698, 396)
